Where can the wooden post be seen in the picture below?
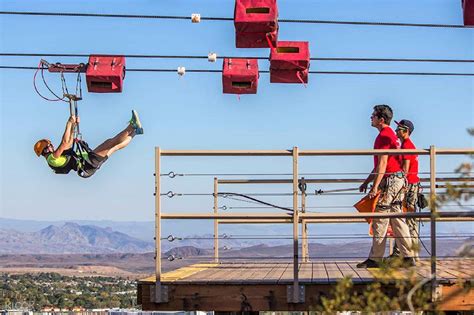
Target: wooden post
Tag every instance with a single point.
(157, 225)
(433, 218)
(296, 287)
(216, 223)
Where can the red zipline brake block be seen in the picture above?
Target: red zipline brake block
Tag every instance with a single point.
(105, 74)
(240, 76)
(468, 11)
(256, 23)
(289, 62)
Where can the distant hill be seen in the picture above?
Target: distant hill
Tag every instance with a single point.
(70, 238)
(73, 238)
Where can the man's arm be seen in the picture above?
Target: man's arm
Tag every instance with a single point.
(379, 174)
(68, 137)
(363, 187)
(406, 166)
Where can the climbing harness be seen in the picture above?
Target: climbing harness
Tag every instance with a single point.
(80, 149)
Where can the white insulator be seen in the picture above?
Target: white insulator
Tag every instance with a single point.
(195, 17)
(212, 57)
(181, 71)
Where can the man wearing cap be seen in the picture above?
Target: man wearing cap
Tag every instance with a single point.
(410, 168)
(389, 181)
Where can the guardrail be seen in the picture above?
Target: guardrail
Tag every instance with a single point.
(298, 215)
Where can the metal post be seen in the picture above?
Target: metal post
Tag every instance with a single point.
(304, 226)
(433, 218)
(296, 291)
(158, 287)
(216, 223)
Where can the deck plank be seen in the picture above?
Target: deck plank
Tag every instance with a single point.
(334, 274)
(287, 276)
(348, 271)
(319, 273)
(306, 272)
(241, 274)
(276, 273)
(457, 269)
(364, 274)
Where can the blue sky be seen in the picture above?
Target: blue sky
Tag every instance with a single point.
(192, 113)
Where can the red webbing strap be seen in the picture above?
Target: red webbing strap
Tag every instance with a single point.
(298, 74)
(270, 44)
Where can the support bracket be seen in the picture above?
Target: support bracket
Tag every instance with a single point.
(290, 296)
(159, 293)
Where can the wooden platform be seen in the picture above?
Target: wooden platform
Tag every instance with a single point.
(263, 286)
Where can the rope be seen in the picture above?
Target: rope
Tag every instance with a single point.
(266, 71)
(243, 57)
(40, 67)
(225, 194)
(170, 17)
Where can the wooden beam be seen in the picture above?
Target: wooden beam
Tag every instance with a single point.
(272, 297)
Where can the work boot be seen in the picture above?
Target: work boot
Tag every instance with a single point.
(408, 262)
(393, 257)
(368, 263)
(136, 124)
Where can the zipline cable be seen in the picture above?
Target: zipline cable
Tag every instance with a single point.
(205, 18)
(266, 71)
(234, 57)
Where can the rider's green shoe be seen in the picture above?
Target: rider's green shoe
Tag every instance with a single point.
(136, 124)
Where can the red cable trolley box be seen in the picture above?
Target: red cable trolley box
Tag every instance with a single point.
(255, 40)
(468, 10)
(105, 74)
(289, 62)
(240, 76)
(290, 56)
(289, 76)
(254, 20)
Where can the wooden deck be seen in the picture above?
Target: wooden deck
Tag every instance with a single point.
(263, 286)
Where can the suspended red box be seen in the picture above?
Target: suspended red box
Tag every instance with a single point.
(289, 76)
(290, 56)
(255, 40)
(256, 16)
(240, 76)
(468, 10)
(105, 74)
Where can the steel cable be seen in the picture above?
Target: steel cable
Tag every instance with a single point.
(244, 57)
(266, 71)
(206, 18)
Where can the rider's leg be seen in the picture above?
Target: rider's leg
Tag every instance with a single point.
(116, 143)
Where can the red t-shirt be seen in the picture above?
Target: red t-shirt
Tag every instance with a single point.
(412, 175)
(387, 139)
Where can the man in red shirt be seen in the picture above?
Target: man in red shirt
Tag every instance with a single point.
(389, 181)
(410, 168)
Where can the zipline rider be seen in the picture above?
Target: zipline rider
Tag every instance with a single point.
(75, 154)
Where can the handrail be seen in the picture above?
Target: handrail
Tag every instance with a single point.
(331, 180)
(300, 215)
(447, 151)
